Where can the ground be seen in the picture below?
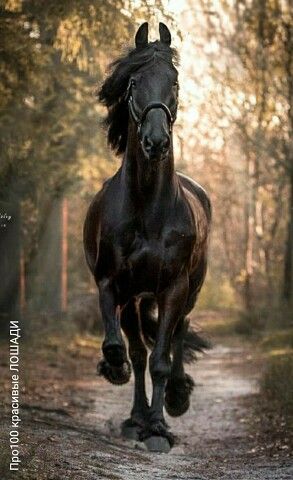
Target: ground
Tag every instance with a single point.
(71, 419)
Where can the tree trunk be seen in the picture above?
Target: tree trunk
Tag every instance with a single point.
(288, 263)
(10, 262)
(48, 287)
(249, 226)
(64, 261)
(22, 282)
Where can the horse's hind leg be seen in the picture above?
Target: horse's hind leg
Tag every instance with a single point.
(130, 323)
(179, 385)
(115, 366)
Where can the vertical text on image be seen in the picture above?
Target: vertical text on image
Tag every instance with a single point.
(15, 418)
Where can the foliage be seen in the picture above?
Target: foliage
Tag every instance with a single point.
(217, 293)
(277, 385)
(271, 323)
(235, 140)
(52, 56)
(242, 148)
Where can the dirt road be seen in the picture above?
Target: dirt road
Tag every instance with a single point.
(76, 434)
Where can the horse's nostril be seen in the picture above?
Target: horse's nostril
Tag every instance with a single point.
(148, 143)
(165, 144)
(155, 146)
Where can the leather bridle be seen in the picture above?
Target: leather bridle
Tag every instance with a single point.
(140, 118)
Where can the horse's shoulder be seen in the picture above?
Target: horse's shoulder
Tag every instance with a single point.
(197, 191)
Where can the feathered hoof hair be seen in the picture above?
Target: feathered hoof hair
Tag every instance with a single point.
(116, 375)
(177, 396)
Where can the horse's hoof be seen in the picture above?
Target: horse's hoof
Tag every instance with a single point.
(114, 353)
(177, 395)
(131, 427)
(130, 433)
(159, 430)
(129, 430)
(157, 444)
(177, 410)
(116, 375)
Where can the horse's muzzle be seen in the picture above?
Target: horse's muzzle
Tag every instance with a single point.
(156, 149)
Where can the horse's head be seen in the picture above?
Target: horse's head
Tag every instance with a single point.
(153, 94)
(142, 87)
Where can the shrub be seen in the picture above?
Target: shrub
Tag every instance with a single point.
(277, 384)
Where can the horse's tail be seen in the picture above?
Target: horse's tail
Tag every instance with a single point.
(192, 341)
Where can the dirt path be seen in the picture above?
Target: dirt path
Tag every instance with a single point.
(81, 439)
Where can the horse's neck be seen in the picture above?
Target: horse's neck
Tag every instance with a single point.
(151, 186)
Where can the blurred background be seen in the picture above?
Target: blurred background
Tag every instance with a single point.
(233, 135)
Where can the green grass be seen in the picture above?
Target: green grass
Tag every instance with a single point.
(5, 457)
(277, 384)
(271, 331)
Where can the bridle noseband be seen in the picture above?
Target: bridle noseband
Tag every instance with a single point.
(139, 119)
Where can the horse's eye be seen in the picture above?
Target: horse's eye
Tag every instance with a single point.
(133, 82)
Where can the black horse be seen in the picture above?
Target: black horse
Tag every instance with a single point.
(145, 239)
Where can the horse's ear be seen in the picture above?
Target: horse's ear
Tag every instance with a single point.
(165, 35)
(141, 37)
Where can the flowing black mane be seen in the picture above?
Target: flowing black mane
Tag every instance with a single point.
(112, 92)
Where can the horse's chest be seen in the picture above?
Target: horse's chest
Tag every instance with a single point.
(150, 264)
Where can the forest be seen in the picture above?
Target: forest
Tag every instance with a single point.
(233, 135)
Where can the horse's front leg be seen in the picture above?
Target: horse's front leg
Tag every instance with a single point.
(171, 304)
(130, 323)
(180, 384)
(115, 366)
